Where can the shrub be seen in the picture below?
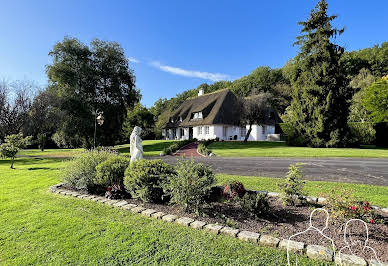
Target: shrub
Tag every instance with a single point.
(255, 204)
(233, 190)
(362, 132)
(81, 171)
(342, 204)
(202, 149)
(191, 185)
(292, 188)
(12, 145)
(144, 179)
(111, 171)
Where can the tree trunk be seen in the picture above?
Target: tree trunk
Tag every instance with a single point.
(12, 159)
(248, 133)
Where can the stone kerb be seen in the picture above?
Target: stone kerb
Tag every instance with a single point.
(312, 251)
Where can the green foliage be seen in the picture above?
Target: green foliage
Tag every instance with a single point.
(363, 133)
(339, 202)
(90, 78)
(145, 179)
(142, 117)
(255, 204)
(111, 172)
(376, 100)
(292, 188)
(12, 145)
(80, 172)
(319, 107)
(191, 185)
(202, 148)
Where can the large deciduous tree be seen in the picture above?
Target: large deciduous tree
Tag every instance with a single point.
(90, 79)
(320, 104)
(253, 110)
(376, 100)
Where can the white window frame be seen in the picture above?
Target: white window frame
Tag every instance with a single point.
(243, 131)
(207, 130)
(199, 130)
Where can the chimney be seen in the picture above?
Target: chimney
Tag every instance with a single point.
(200, 93)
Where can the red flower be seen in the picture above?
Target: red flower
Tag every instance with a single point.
(372, 221)
(353, 208)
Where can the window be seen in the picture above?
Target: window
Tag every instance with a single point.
(263, 129)
(199, 130)
(243, 131)
(224, 131)
(180, 119)
(197, 115)
(207, 130)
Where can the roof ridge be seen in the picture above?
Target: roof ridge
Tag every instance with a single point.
(210, 93)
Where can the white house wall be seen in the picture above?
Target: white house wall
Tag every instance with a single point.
(216, 131)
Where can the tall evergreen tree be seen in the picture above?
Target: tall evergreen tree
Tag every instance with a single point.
(320, 104)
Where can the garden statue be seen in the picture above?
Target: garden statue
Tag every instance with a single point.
(135, 145)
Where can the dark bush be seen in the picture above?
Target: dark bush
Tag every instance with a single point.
(144, 179)
(362, 132)
(191, 185)
(233, 190)
(255, 204)
(111, 171)
(116, 191)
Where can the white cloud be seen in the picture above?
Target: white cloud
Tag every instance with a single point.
(133, 60)
(190, 73)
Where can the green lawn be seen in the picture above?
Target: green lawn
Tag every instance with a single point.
(280, 149)
(38, 227)
(377, 195)
(151, 148)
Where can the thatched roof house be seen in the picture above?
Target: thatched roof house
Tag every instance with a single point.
(215, 115)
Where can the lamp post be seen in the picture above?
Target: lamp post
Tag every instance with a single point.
(98, 119)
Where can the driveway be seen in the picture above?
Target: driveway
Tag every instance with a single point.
(350, 170)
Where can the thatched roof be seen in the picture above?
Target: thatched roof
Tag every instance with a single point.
(220, 107)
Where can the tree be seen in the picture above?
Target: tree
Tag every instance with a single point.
(14, 110)
(142, 117)
(254, 110)
(44, 117)
(376, 100)
(88, 79)
(320, 103)
(12, 145)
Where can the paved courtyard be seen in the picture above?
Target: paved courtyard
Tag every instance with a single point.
(350, 170)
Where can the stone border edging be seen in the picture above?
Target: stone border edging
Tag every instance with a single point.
(311, 251)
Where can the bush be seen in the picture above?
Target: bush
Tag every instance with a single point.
(292, 188)
(81, 171)
(255, 204)
(111, 172)
(342, 204)
(293, 137)
(233, 190)
(362, 132)
(144, 179)
(191, 185)
(202, 149)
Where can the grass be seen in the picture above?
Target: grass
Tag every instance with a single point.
(151, 148)
(281, 149)
(38, 227)
(377, 195)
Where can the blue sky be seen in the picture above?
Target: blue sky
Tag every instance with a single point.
(176, 45)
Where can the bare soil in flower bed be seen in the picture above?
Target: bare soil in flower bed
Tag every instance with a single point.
(285, 221)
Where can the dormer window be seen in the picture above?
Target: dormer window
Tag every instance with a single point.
(180, 119)
(197, 115)
(171, 119)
